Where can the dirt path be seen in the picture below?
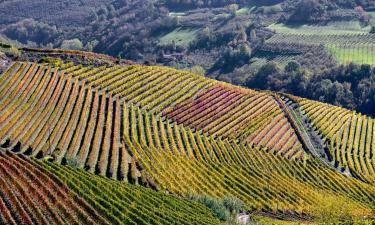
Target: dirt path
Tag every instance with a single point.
(310, 139)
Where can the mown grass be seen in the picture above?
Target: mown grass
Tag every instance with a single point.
(353, 54)
(180, 36)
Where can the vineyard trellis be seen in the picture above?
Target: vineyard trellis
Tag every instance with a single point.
(346, 48)
(203, 136)
(349, 136)
(40, 192)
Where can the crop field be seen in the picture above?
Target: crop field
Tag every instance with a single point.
(349, 137)
(178, 133)
(332, 28)
(180, 160)
(356, 53)
(350, 45)
(30, 189)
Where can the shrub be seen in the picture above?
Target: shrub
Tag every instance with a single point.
(197, 70)
(52, 60)
(225, 209)
(73, 44)
(72, 162)
(233, 204)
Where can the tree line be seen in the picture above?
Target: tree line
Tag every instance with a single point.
(351, 86)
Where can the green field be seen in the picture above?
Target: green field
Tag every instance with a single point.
(347, 41)
(180, 36)
(355, 54)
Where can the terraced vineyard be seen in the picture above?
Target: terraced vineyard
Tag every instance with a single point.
(350, 137)
(151, 87)
(169, 130)
(45, 113)
(253, 117)
(78, 111)
(179, 160)
(44, 193)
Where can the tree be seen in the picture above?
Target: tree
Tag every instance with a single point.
(292, 66)
(197, 70)
(307, 11)
(91, 45)
(364, 16)
(241, 36)
(233, 9)
(245, 51)
(253, 36)
(260, 78)
(73, 44)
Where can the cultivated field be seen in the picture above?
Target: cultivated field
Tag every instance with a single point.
(179, 133)
(347, 43)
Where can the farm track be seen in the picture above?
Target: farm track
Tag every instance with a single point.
(313, 145)
(348, 137)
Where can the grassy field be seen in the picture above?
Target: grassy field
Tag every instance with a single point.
(347, 41)
(180, 36)
(355, 54)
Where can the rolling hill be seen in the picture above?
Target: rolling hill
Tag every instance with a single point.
(177, 133)
(35, 192)
(128, 112)
(231, 41)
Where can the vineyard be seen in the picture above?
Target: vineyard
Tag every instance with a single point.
(346, 48)
(179, 160)
(35, 192)
(174, 132)
(349, 137)
(254, 117)
(153, 88)
(48, 114)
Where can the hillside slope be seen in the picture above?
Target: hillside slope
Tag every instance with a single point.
(232, 41)
(44, 193)
(173, 131)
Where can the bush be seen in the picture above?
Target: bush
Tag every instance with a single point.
(233, 204)
(52, 60)
(72, 162)
(217, 206)
(225, 209)
(197, 70)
